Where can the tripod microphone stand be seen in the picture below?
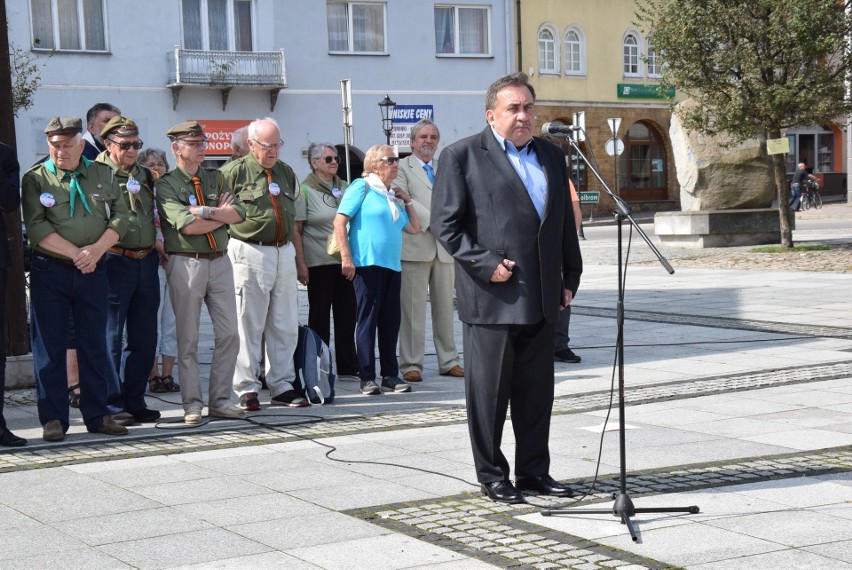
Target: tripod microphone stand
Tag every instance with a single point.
(623, 506)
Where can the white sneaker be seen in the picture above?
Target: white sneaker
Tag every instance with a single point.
(192, 417)
(226, 411)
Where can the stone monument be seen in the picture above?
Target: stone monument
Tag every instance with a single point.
(726, 192)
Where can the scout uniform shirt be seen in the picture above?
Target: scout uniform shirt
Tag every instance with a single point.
(175, 193)
(46, 202)
(137, 199)
(250, 184)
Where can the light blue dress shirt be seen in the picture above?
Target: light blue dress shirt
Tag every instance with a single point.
(526, 164)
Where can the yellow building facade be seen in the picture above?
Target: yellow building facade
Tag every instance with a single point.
(590, 58)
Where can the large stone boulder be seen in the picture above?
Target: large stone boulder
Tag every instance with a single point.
(715, 177)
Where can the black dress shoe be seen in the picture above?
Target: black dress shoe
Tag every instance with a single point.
(145, 415)
(544, 484)
(502, 492)
(8, 439)
(566, 355)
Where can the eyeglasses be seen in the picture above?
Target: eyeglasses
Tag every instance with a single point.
(273, 146)
(195, 144)
(124, 145)
(390, 160)
(330, 159)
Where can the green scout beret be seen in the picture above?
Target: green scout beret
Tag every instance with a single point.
(121, 126)
(64, 126)
(185, 129)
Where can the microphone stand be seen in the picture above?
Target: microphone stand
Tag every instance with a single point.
(623, 506)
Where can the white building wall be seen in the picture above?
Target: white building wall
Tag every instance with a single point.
(134, 74)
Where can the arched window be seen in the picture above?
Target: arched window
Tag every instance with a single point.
(642, 169)
(655, 63)
(547, 54)
(575, 52)
(631, 55)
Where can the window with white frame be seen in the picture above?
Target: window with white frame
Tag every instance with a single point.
(575, 52)
(462, 30)
(654, 61)
(68, 25)
(356, 27)
(547, 60)
(631, 55)
(217, 25)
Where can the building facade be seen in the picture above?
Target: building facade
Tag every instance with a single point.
(582, 59)
(227, 62)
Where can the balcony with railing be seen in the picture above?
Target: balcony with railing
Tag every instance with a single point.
(225, 70)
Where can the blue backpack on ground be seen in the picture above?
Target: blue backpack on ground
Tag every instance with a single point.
(314, 363)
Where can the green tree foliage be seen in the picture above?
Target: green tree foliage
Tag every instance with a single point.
(754, 66)
(26, 77)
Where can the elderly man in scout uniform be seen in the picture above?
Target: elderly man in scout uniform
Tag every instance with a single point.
(134, 285)
(195, 205)
(264, 261)
(73, 216)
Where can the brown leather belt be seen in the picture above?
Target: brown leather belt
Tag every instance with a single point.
(271, 243)
(211, 255)
(131, 253)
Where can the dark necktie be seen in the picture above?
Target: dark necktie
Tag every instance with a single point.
(279, 217)
(199, 196)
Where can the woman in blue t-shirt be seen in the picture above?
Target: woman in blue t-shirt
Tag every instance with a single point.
(370, 254)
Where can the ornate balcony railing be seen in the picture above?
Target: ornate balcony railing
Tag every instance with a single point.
(225, 70)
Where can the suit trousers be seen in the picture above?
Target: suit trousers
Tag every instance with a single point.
(561, 336)
(134, 297)
(503, 364)
(192, 282)
(377, 299)
(329, 290)
(417, 278)
(59, 292)
(265, 288)
(3, 278)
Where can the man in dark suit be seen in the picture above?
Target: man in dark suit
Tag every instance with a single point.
(500, 206)
(10, 199)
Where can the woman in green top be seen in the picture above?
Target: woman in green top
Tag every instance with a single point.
(328, 289)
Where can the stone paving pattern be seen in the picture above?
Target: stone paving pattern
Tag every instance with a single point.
(739, 401)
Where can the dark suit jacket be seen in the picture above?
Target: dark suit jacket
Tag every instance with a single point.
(482, 213)
(10, 196)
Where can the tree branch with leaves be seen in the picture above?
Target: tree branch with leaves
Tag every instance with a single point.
(755, 67)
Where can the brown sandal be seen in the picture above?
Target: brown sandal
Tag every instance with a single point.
(155, 385)
(169, 385)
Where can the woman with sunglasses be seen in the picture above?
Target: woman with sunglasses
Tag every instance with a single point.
(328, 290)
(370, 250)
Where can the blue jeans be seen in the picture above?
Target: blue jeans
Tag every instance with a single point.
(795, 196)
(134, 297)
(377, 299)
(59, 291)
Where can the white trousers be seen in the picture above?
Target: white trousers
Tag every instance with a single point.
(265, 286)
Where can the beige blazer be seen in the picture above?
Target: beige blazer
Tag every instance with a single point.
(423, 246)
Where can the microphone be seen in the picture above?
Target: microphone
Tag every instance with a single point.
(558, 129)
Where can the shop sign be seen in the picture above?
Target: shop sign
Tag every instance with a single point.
(640, 91)
(219, 135)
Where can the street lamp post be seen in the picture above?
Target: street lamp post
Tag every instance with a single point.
(386, 106)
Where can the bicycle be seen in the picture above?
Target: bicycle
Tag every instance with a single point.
(811, 195)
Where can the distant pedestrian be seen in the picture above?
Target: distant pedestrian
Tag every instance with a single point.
(368, 227)
(73, 214)
(799, 178)
(264, 260)
(428, 271)
(195, 206)
(10, 199)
